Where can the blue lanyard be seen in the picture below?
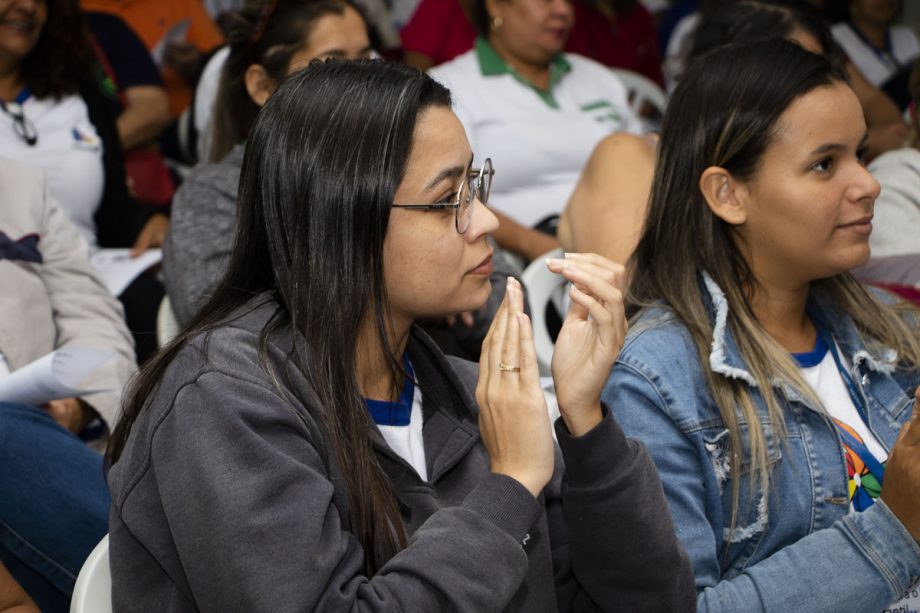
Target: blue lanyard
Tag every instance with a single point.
(397, 413)
(886, 54)
(858, 447)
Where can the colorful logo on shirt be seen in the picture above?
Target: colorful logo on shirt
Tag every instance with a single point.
(863, 487)
(84, 139)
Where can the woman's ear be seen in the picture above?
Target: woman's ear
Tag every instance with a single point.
(724, 195)
(493, 8)
(259, 85)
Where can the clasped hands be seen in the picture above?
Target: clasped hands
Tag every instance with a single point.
(513, 418)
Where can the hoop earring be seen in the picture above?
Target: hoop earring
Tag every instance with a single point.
(496, 23)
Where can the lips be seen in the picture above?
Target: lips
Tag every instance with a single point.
(484, 267)
(863, 225)
(23, 25)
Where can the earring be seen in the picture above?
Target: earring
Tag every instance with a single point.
(496, 23)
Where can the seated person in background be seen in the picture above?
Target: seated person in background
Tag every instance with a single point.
(304, 430)
(773, 391)
(895, 239)
(53, 499)
(140, 104)
(56, 115)
(176, 32)
(881, 52)
(727, 21)
(539, 110)
(616, 33)
(266, 45)
(748, 20)
(607, 210)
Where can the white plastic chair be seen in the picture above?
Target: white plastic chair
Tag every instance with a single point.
(641, 90)
(93, 590)
(167, 326)
(543, 287)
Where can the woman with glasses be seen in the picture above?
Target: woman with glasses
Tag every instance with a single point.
(303, 445)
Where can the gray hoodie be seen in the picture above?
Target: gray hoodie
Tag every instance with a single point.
(227, 498)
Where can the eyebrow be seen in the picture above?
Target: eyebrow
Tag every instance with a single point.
(341, 52)
(449, 173)
(828, 147)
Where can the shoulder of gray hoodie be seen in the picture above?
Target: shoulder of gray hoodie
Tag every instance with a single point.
(227, 497)
(201, 230)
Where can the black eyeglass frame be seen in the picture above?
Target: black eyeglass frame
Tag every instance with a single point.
(22, 125)
(473, 183)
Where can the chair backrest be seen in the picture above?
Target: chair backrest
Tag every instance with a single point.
(542, 288)
(641, 90)
(93, 591)
(167, 326)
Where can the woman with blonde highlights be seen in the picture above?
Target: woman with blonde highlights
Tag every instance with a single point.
(769, 386)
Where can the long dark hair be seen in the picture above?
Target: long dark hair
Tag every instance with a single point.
(268, 33)
(750, 20)
(62, 60)
(321, 169)
(724, 112)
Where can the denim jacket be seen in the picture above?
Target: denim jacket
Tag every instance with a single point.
(798, 548)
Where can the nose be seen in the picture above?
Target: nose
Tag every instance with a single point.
(483, 221)
(27, 5)
(864, 186)
(562, 8)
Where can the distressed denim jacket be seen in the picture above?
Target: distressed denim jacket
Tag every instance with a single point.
(799, 548)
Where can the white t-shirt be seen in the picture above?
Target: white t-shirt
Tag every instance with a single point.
(825, 379)
(68, 150)
(205, 95)
(407, 441)
(538, 142)
(878, 67)
(827, 382)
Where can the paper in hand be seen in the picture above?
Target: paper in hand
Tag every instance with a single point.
(118, 269)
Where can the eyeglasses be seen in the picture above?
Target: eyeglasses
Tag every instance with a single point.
(22, 125)
(476, 185)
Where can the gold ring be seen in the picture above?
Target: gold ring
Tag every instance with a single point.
(502, 367)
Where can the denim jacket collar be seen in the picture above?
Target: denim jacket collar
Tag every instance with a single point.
(725, 357)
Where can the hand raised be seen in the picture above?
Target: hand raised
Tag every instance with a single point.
(152, 234)
(513, 419)
(591, 336)
(901, 489)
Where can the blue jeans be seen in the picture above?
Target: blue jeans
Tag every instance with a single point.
(54, 504)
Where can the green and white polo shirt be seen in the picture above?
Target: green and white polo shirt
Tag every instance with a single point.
(538, 140)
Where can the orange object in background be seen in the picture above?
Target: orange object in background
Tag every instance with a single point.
(160, 22)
